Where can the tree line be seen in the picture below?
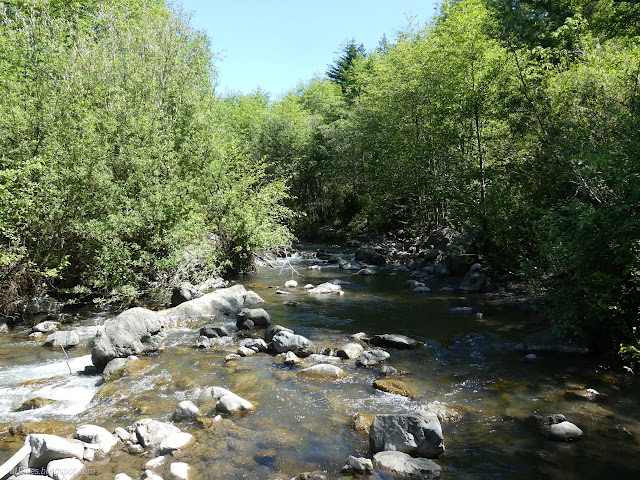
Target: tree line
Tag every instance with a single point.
(519, 119)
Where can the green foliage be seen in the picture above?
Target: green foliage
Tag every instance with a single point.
(116, 157)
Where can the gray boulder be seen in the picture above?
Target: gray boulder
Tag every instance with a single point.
(358, 465)
(43, 304)
(64, 339)
(371, 358)
(47, 326)
(158, 436)
(402, 466)
(213, 331)
(115, 368)
(133, 332)
(252, 298)
(46, 448)
(556, 427)
(323, 370)
(474, 281)
(272, 332)
(325, 289)
(185, 410)
(285, 341)
(95, 435)
(226, 400)
(212, 284)
(417, 433)
(258, 316)
(224, 301)
(184, 292)
(393, 341)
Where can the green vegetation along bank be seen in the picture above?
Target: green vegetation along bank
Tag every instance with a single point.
(519, 120)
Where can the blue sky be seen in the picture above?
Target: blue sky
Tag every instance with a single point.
(277, 44)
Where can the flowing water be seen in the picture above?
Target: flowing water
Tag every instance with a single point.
(303, 424)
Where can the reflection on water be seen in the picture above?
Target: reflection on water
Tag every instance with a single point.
(304, 424)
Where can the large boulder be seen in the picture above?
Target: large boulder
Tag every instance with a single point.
(417, 433)
(224, 301)
(474, 281)
(183, 292)
(393, 341)
(369, 256)
(400, 466)
(285, 341)
(133, 332)
(46, 448)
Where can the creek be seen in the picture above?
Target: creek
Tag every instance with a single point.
(301, 424)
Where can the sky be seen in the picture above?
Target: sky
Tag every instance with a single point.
(276, 44)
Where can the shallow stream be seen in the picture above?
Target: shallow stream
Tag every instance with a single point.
(303, 424)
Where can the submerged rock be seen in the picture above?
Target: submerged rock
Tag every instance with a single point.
(417, 433)
(400, 466)
(133, 332)
(393, 341)
(323, 370)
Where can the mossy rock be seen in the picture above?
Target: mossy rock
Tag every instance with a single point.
(33, 404)
(397, 386)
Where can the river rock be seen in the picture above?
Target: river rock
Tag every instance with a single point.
(393, 341)
(158, 436)
(33, 404)
(46, 448)
(360, 337)
(402, 466)
(290, 358)
(64, 339)
(95, 435)
(367, 272)
(358, 465)
(421, 290)
(116, 368)
(548, 341)
(213, 331)
(371, 358)
(325, 288)
(48, 326)
(414, 284)
(155, 462)
(185, 410)
(122, 434)
(232, 357)
(565, 432)
(285, 341)
(183, 292)
(290, 303)
(282, 292)
(233, 403)
(350, 350)
(258, 316)
(64, 469)
(179, 471)
(245, 352)
(474, 281)
(589, 395)
(122, 476)
(395, 386)
(323, 370)
(149, 475)
(369, 256)
(256, 344)
(4, 327)
(388, 371)
(133, 332)
(417, 433)
(205, 342)
(272, 332)
(252, 298)
(290, 284)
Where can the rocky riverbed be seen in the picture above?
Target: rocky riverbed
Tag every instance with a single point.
(365, 376)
